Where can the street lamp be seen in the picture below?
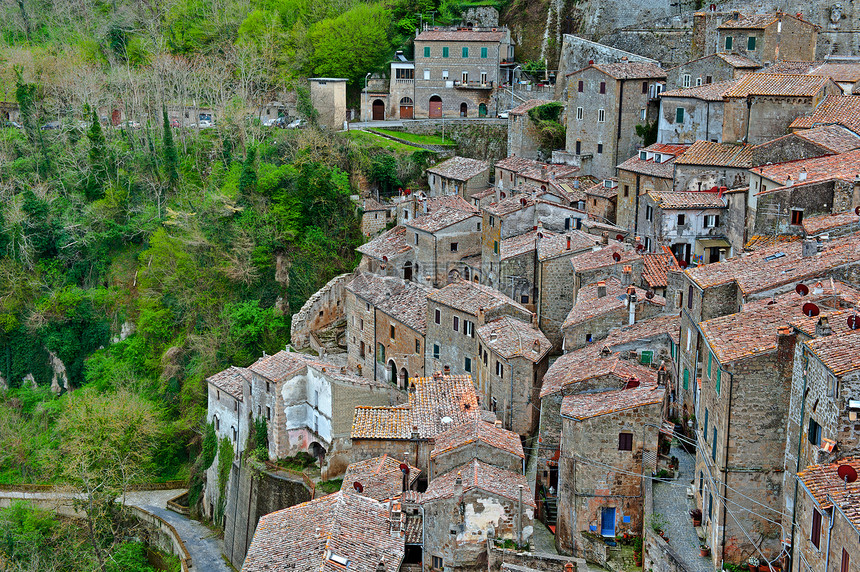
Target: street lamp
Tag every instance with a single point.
(366, 101)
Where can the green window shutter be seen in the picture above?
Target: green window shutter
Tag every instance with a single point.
(465, 52)
(719, 372)
(705, 425)
(426, 51)
(728, 42)
(445, 52)
(679, 115)
(645, 357)
(751, 43)
(495, 246)
(710, 359)
(483, 52)
(686, 378)
(714, 446)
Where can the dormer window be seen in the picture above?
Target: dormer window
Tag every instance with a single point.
(658, 158)
(643, 155)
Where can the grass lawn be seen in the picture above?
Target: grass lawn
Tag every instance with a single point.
(415, 138)
(370, 140)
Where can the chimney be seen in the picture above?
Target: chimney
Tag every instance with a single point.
(822, 328)
(480, 316)
(601, 289)
(447, 370)
(536, 347)
(785, 350)
(627, 276)
(802, 175)
(568, 567)
(818, 288)
(809, 247)
(631, 305)
(458, 487)
(604, 238)
(424, 205)
(498, 423)
(543, 172)
(499, 190)
(568, 242)
(415, 434)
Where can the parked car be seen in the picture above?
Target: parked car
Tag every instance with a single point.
(13, 125)
(50, 125)
(205, 124)
(504, 114)
(297, 124)
(129, 125)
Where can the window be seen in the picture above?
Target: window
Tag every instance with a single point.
(625, 441)
(483, 52)
(710, 506)
(682, 219)
(524, 298)
(846, 559)
(796, 216)
(751, 44)
(714, 444)
(444, 74)
(578, 147)
(705, 426)
(426, 51)
(267, 387)
(235, 406)
(580, 87)
(698, 81)
(467, 365)
(391, 331)
(469, 328)
(417, 346)
(729, 41)
(679, 115)
(416, 239)
(601, 115)
(686, 378)
(603, 87)
(642, 114)
(815, 536)
(814, 432)
(495, 246)
(465, 80)
(217, 395)
(445, 52)
(361, 349)
(709, 79)
(465, 52)
(579, 114)
(686, 80)
(437, 563)
(649, 213)
(435, 351)
(454, 246)
(719, 379)
(712, 220)
(380, 353)
(268, 412)
(647, 244)
(479, 226)
(599, 150)
(626, 190)
(456, 323)
(217, 423)
(644, 87)
(426, 74)
(500, 369)
(437, 316)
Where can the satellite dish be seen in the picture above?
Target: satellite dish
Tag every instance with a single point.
(359, 488)
(649, 294)
(620, 237)
(811, 310)
(857, 211)
(682, 263)
(854, 322)
(847, 473)
(404, 468)
(640, 247)
(616, 257)
(802, 289)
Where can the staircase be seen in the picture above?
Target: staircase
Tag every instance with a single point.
(550, 511)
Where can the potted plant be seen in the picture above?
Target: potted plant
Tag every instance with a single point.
(753, 564)
(704, 550)
(763, 567)
(637, 550)
(696, 515)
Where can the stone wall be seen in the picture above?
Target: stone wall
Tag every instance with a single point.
(252, 492)
(577, 52)
(496, 557)
(322, 309)
(485, 139)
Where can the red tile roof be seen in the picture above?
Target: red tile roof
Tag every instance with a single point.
(737, 60)
(380, 477)
(278, 367)
(663, 170)
(845, 73)
(440, 218)
(822, 223)
(717, 154)
(778, 85)
(657, 266)
(371, 205)
(516, 164)
(477, 430)
(459, 168)
(666, 324)
(838, 352)
(595, 259)
(403, 300)
(588, 306)
(583, 406)
(305, 537)
(460, 36)
(471, 297)
(758, 21)
(450, 201)
(838, 319)
(477, 475)
(833, 109)
(524, 107)
(230, 380)
(554, 245)
(834, 138)
(706, 92)
(520, 244)
(512, 338)
(824, 483)
(631, 70)
(601, 190)
(791, 67)
(688, 200)
(389, 244)
(844, 166)
(587, 363)
(381, 422)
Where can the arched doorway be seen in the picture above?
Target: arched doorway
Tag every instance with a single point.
(378, 110)
(403, 379)
(406, 108)
(435, 107)
(407, 270)
(464, 110)
(392, 372)
(317, 451)
(482, 110)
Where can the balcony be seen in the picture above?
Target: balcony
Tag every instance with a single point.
(402, 81)
(473, 85)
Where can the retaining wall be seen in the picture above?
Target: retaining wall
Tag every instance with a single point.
(322, 309)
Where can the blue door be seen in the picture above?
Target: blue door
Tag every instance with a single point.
(607, 522)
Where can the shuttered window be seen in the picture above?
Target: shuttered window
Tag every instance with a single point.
(815, 536)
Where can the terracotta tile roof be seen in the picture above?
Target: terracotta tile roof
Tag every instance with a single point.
(838, 352)
(524, 107)
(759, 21)
(230, 380)
(790, 67)
(433, 399)
(389, 244)
(666, 324)
(675, 149)
(446, 201)
(587, 363)
(440, 218)
(555, 245)
(777, 265)
(380, 477)
(838, 319)
(779, 85)
(823, 482)
(587, 405)
(471, 297)
(459, 168)
(520, 244)
(512, 204)
(305, 537)
(460, 36)
(688, 200)
(631, 70)
(843, 166)
(588, 306)
(553, 172)
(516, 164)
(371, 205)
(757, 242)
(656, 267)
(476, 430)
(664, 170)
(601, 190)
(737, 60)
(822, 223)
(600, 258)
(835, 138)
(706, 92)
(845, 73)
(481, 476)
(278, 367)
(403, 300)
(414, 529)
(717, 154)
(512, 338)
(838, 109)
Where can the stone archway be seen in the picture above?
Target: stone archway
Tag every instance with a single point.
(378, 110)
(464, 110)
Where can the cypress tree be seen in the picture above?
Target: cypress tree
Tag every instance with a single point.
(171, 157)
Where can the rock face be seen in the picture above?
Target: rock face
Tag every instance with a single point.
(59, 381)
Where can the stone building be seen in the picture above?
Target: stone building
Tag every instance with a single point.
(692, 114)
(446, 245)
(706, 165)
(806, 144)
(601, 200)
(375, 217)
(457, 69)
(381, 478)
(458, 176)
(454, 313)
(605, 306)
(714, 68)
(417, 204)
(469, 504)
(651, 169)
(833, 109)
(605, 104)
(512, 357)
(523, 134)
(328, 95)
(476, 439)
(692, 224)
(514, 171)
(827, 520)
(385, 328)
(603, 433)
(655, 269)
(389, 254)
(578, 52)
(766, 38)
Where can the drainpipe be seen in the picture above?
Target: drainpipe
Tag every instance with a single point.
(830, 532)
(435, 264)
(708, 121)
(423, 528)
(620, 108)
(636, 204)
(797, 469)
(373, 349)
(726, 464)
(749, 116)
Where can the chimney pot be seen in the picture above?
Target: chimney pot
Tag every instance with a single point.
(568, 243)
(447, 370)
(822, 328)
(601, 289)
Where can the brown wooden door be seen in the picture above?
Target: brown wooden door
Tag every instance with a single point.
(405, 112)
(435, 108)
(378, 110)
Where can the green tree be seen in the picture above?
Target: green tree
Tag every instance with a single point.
(648, 132)
(97, 158)
(248, 177)
(171, 157)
